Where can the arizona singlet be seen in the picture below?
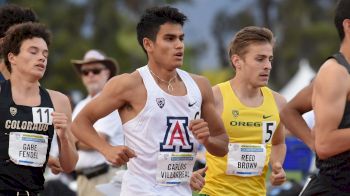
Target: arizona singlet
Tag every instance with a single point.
(25, 140)
(165, 147)
(250, 129)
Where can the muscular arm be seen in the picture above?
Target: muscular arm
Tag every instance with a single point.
(68, 156)
(291, 116)
(217, 143)
(82, 146)
(115, 95)
(278, 150)
(330, 93)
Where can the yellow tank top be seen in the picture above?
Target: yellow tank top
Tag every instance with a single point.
(244, 125)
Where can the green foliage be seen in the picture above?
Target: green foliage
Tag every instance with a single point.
(303, 29)
(80, 25)
(218, 76)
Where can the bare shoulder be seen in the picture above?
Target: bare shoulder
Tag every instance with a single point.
(59, 100)
(332, 74)
(204, 86)
(217, 92)
(201, 81)
(332, 68)
(124, 86)
(279, 99)
(218, 99)
(125, 81)
(124, 89)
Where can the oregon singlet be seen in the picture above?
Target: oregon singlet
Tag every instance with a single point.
(165, 147)
(25, 138)
(336, 168)
(250, 129)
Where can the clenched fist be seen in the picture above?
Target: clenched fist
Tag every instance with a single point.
(119, 155)
(200, 130)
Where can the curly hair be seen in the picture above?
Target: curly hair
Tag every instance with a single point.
(11, 14)
(16, 34)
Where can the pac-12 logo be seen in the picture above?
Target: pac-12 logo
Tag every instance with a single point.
(176, 136)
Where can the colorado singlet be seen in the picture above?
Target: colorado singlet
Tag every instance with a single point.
(250, 129)
(25, 140)
(165, 147)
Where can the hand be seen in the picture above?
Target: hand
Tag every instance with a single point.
(119, 155)
(60, 122)
(278, 176)
(54, 165)
(197, 180)
(200, 130)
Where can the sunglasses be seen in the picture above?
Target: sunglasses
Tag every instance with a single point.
(94, 71)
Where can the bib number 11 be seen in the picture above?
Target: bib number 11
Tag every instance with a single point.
(42, 115)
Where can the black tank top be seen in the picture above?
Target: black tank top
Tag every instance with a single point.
(337, 168)
(16, 118)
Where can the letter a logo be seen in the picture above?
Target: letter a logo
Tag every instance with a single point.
(176, 136)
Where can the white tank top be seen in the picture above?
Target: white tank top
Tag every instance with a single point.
(163, 143)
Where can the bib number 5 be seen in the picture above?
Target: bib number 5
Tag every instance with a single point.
(269, 128)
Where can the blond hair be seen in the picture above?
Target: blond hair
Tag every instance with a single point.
(247, 36)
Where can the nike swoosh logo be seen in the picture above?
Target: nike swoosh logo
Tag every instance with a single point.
(191, 104)
(266, 116)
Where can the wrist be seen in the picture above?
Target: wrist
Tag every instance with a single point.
(103, 148)
(207, 141)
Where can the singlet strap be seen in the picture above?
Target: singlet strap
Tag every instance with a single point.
(341, 60)
(45, 97)
(6, 94)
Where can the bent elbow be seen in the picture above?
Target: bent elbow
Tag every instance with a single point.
(322, 151)
(70, 165)
(219, 152)
(224, 152)
(69, 168)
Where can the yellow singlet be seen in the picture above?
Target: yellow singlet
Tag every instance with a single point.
(250, 130)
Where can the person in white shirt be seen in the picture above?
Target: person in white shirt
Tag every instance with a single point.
(92, 169)
(166, 112)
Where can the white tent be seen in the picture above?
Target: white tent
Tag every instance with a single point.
(301, 79)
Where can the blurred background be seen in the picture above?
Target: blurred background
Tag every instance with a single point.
(303, 29)
(304, 32)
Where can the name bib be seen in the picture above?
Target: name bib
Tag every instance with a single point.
(174, 168)
(246, 159)
(28, 149)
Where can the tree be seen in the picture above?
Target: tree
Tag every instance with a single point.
(78, 26)
(303, 29)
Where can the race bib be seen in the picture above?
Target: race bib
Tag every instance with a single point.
(268, 129)
(174, 168)
(246, 159)
(42, 115)
(28, 149)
